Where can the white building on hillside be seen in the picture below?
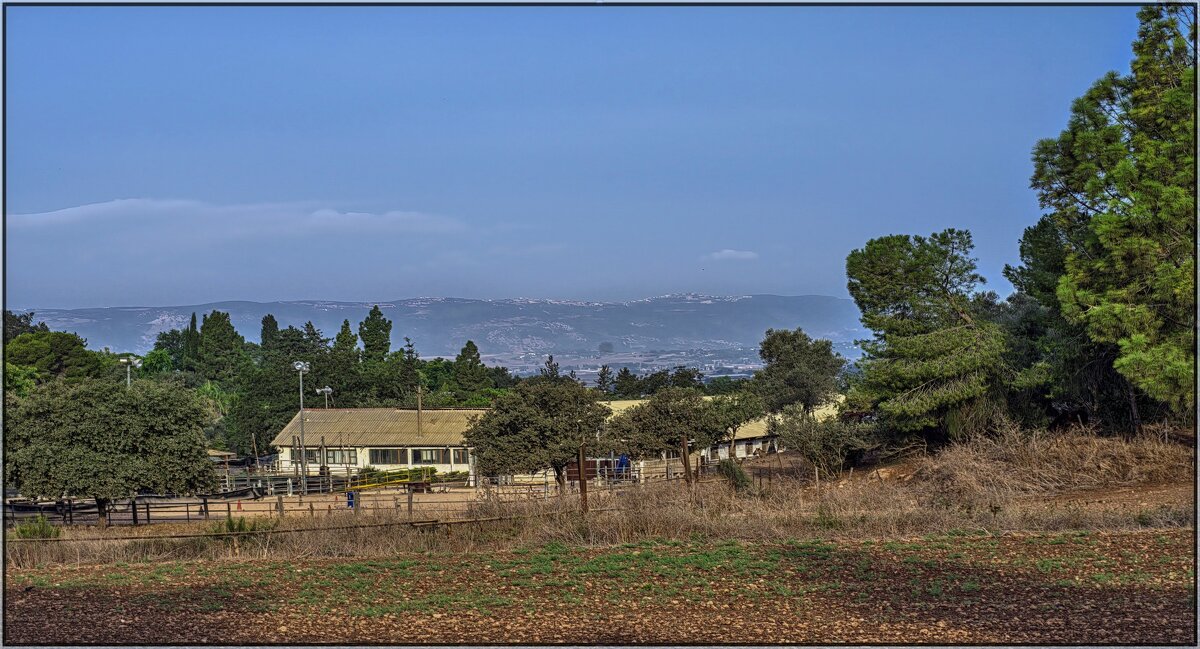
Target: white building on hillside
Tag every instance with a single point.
(348, 439)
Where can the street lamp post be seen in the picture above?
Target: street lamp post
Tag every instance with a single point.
(129, 364)
(301, 368)
(325, 391)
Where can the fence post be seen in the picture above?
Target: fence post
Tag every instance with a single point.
(228, 511)
(311, 513)
(410, 503)
(204, 506)
(583, 505)
(133, 508)
(147, 513)
(187, 511)
(279, 505)
(71, 511)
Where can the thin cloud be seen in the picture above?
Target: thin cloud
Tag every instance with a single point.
(728, 254)
(238, 220)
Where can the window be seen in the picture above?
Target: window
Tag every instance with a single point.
(311, 456)
(388, 456)
(341, 456)
(460, 456)
(431, 456)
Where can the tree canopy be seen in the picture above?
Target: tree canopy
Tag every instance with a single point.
(798, 370)
(89, 439)
(932, 358)
(539, 424)
(1119, 186)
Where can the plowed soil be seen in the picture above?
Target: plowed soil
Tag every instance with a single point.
(1070, 588)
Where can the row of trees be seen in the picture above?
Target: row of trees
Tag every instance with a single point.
(545, 421)
(1102, 325)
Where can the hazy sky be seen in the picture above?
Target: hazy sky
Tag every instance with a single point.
(161, 156)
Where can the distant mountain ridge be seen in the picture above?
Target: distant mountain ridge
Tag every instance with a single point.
(440, 325)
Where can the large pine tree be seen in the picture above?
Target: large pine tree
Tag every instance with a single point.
(1119, 184)
(932, 359)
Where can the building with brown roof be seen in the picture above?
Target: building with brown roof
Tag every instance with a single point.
(347, 439)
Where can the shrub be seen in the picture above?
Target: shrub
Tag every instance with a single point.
(38, 528)
(824, 443)
(240, 525)
(736, 476)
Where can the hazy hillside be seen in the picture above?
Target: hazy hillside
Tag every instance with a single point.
(439, 326)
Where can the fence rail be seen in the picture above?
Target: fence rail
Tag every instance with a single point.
(149, 510)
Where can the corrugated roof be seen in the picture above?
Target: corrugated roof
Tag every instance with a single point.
(396, 427)
(379, 427)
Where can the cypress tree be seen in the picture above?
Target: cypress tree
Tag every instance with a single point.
(270, 331)
(376, 334)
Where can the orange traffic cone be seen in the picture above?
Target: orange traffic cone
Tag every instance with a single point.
(239, 505)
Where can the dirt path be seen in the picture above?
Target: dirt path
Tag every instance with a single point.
(1134, 587)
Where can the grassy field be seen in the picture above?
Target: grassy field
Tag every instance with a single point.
(1070, 587)
(1062, 539)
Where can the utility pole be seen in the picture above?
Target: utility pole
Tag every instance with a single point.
(418, 409)
(301, 368)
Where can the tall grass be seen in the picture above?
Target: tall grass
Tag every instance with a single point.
(998, 484)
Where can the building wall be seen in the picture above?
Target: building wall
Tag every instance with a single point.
(362, 458)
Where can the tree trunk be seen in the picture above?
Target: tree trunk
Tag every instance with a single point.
(560, 478)
(102, 512)
(1134, 417)
(683, 455)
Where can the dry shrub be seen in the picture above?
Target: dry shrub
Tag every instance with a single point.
(989, 470)
(999, 484)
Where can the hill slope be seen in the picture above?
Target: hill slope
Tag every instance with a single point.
(439, 326)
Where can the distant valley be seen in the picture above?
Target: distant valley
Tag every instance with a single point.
(689, 329)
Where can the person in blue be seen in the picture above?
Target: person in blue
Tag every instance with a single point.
(623, 467)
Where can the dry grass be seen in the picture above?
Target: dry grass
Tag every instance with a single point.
(998, 484)
(1016, 463)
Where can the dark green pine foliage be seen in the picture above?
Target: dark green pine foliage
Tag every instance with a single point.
(269, 392)
(222, 348)
(55, 355)
(172, 343)
(1061, 374)
(190, 359)
(605, 380)
(1119, 186)
(626, 384)
(549, 370)
(931, 361)
(15, 325)
(470, 374)
(376, 334)
(345, 374)
(270, 330)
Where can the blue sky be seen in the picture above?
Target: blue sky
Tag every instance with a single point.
(162, 156)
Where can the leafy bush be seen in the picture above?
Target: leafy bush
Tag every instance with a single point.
(240, 525)
(38, 528)
(824, 443)
(736, 476)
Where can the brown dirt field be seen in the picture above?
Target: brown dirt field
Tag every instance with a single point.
(1074, 587)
